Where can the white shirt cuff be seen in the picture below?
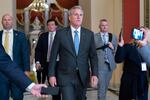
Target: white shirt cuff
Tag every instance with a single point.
(30, 87)
(37, 62)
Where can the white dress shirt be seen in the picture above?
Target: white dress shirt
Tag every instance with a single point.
(11, 38)
(72, 31)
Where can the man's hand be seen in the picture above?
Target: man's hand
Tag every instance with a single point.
(36, 90)
(38, 66)
(94, 81)
(121, 42)
(52, 81)
(110, 45)
(27, 73)
(144, 41)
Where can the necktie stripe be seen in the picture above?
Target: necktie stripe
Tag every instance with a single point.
(6, 42)
(49, 46)
(76, 41)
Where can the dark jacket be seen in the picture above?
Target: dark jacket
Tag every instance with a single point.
(134, 80)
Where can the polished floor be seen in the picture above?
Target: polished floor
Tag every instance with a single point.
(91, 95)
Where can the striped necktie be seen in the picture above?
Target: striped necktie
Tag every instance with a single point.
(49, 46)
(6, 42)
(76, 41)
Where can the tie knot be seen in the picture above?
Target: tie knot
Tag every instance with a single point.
(6, 32)
(76, 32)
(104, 35)
(51, 33)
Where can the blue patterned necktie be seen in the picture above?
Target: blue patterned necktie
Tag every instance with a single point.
(106, 51)
(76, 41)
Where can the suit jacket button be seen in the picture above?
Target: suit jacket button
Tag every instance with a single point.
(77, 68)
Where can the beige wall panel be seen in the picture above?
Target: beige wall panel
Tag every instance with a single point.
(8, 6)
(101, 9)
(142, 12)
(86, 4)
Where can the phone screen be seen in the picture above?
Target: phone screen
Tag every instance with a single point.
(137, 34)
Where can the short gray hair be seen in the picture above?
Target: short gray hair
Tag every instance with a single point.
(75, 7)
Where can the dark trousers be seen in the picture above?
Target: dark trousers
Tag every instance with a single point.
(8, 87)
(42, 75)
(56, 97)
(74, 90)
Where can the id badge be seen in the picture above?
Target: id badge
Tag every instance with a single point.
(143, 65)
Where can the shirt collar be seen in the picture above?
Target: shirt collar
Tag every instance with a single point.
(102, 33)
(9, 31)
(73, 29)
(52, 32)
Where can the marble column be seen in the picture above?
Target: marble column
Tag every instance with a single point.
(65, 17)
(26, 21)
(46, 18)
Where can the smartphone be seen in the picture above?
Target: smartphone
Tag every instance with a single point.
(50, 90)
(137, 34)
(121, 34)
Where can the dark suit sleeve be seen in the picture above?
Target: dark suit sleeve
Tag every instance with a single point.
(25, 53)
(93, 57)
(38, 49)
(120, 54)
(13, 72)
(53, 56)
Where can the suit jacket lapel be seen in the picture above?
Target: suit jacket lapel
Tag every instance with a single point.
(100, 41)
(82, 40)
(46, 40)
(70, 41)
(1, 32)
(15, 35)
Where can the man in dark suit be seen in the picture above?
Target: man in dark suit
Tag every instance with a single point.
(42, 53)
(76, 48)
(17, 76)
(15, 44)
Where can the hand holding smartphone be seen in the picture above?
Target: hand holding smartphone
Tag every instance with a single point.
(50, 90)
(137, 34)
(121, 41)
(121, 34)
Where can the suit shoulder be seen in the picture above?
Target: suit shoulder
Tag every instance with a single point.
(86, 30)
(16, 31)
(96, 34)
(43, 34)
(19, 34)
(63, 29)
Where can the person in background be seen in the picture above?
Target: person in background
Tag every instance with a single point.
(16, 46)
(76, 48)
(42, 53)
(106, 45)
(135, 55)
(17, 76)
